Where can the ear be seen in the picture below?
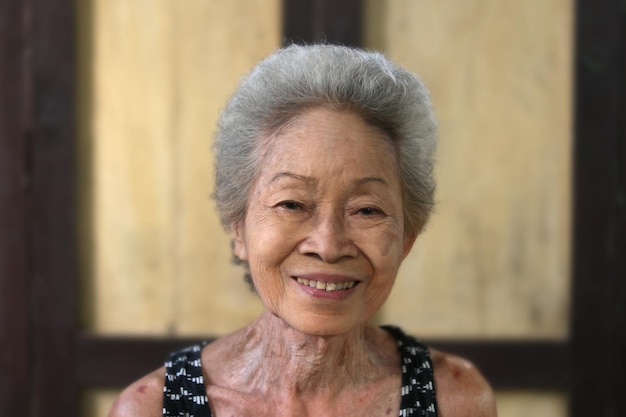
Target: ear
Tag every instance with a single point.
(239, 240)
(409, 240)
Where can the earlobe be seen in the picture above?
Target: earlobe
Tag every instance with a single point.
(239, 247)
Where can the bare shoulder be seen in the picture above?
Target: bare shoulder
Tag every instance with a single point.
(143, 398)
(461, 389)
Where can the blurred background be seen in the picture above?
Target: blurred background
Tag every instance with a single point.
(116, 196)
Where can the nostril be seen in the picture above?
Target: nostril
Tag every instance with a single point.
(313, 255)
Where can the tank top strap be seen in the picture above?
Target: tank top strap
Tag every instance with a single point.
(418, 382)
(184, 393)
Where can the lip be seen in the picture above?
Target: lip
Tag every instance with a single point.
(326, 278)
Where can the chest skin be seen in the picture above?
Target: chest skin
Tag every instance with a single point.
(380, 399)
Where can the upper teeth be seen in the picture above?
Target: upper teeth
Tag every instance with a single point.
(328, 286)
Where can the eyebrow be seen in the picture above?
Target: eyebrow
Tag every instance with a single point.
(288, 174)
(365, 180)
(310, 180)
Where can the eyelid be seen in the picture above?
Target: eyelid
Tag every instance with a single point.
(374, 210)
(293, 203)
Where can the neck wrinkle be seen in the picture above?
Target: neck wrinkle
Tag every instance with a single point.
(277, 357)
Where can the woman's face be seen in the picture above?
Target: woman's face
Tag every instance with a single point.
(324, 232)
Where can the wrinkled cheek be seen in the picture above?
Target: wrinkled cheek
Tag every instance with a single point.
(386, 273)
(269, 285)
(390, 246)
(377, 296)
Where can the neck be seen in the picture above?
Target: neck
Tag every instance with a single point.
(272, 355)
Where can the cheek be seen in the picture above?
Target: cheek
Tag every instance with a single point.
(385, 255)
(378, 294)
(265, 261)
(269, 286)
(386, 249)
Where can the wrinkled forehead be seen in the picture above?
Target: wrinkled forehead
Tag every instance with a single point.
(298, 122)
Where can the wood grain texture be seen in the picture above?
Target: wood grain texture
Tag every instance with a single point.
(52, 226)
(14, 209)
(331, 21)
(598, 331)
(160, 72)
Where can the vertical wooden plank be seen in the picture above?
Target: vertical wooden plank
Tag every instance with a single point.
(598, 334)
(219, 42)
(14, 272)
(132, 147)
(333, 21)
(83, 108)
(159, 252)
(52, 227)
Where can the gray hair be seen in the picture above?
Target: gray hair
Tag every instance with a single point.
(296, 78)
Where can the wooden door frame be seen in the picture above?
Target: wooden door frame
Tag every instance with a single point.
(14, 269)
(37, 208)
(597, 342)
(39, 340)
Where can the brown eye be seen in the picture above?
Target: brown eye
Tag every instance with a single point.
(369, 211)
(290, 205)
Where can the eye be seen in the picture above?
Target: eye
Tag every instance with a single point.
(369, 211)
(290, 205)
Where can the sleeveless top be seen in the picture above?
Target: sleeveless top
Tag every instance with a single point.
(184, 393)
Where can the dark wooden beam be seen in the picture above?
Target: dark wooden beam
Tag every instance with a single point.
(331, 21)
(15, 366)
(116, 362)
(53, 231)
(516, 364)
(598, 330)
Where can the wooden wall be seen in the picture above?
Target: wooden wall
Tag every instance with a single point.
(493, 262)
(160, 71)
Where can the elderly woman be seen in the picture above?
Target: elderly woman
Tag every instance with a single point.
(324, 177)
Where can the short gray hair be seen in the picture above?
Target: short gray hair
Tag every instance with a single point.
(296, 78)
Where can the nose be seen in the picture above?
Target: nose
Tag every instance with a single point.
(328, 238)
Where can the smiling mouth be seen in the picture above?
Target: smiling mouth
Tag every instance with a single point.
(327, 286)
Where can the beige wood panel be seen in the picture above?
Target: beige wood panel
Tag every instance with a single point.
(212, 293)
(160, 70)
(133, 185)
(98, 402)
(524, 404)
(494, 260)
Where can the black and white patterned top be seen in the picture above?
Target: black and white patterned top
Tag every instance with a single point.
(184, 394)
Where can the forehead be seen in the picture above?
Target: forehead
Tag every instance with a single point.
(330, 135)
